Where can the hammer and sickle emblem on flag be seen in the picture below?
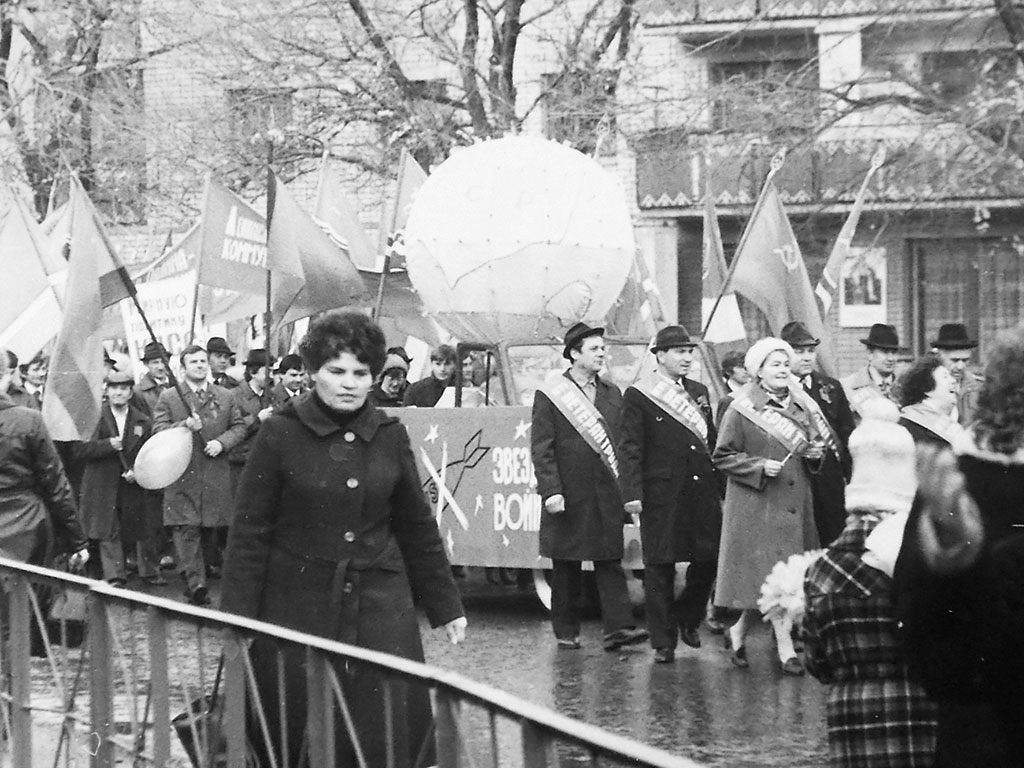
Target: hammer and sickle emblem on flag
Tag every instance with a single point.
(789, 256)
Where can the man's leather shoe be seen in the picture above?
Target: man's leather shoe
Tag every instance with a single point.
(690, 637)
(568, 643)
(155, 581)
(792, 666)
(664, 655)
(623, 637)
(199, 596)
(739, 658)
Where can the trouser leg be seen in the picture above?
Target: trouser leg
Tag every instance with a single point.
(212, 538)
(147, 555)
(566, 584)
(661, 623)
(189, 552)
(616, 611)
(112, 556)
(700, 578)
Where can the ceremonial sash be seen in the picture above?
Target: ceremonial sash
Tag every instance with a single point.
(584, 417)
(825, 430)
(676, 403)
(947, 429)
(771, 421)
(861, 395)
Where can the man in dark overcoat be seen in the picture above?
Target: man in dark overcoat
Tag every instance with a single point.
(155, 380)
(255, 401)
(115, 511)
(828, 484)
(197, 505)
(575, 424)
(669, 481)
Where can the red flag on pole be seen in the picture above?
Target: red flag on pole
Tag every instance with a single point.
(726, 324)
(327, 278)
(769, 270)
(233, 251)
(336, 215)
(411, 177)
(841, 250)
(71, 403)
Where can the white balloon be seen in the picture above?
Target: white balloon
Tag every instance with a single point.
(518, 236)
(163, 458)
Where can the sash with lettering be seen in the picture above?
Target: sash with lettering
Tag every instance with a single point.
(821, 424)
(677, 403)
(945, 428)
(584, 418)
(783, 429)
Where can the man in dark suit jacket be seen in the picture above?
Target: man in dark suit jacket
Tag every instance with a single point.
(575, 420)
(114, 510)
(829, 484)
(669, 481)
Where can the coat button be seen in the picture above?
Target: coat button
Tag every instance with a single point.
(352, 483)
(695, 477)
(350, 436)
(350, 536)
(347, 588)
(693, 447)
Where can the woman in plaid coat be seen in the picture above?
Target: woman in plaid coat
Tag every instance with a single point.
(877, 715)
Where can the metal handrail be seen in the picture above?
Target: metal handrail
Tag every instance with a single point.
(540, 726)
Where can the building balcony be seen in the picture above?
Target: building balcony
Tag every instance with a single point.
(660, 13)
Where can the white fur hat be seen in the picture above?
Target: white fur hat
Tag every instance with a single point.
(884, 461)
(759, 352)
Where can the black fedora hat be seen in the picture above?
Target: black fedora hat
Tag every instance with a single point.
(672, 336)
(578, 333)
(218, 344)
(796, 334)
(954, 336)
(154, 351)
(257, 357)
(882, 336)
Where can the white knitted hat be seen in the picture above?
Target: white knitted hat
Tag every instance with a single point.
(884, 461)
(759, 352)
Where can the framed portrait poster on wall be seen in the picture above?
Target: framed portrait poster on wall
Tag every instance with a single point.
(862, 288)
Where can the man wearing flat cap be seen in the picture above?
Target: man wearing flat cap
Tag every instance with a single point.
(668, 479)
(828, 482)
(574, 428)
(954, 347)
(155, 380)
(389, 389)
(219, 355)
(116, 513)
(877, 378)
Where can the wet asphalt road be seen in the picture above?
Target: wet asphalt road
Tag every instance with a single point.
(700, 707)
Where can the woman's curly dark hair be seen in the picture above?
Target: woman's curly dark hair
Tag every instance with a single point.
(917, 381)
(999, 418)
(343, 331)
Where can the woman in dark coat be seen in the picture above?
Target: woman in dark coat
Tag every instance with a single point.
(332, 536)
(960, 575)
(768, 513)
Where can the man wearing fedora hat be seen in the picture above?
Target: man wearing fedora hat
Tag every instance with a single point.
(828, 483)
(877, 378)
(155, 380)
(255, 401)
(669, 480)
(574, 426)
(953, 346)
(220, 354)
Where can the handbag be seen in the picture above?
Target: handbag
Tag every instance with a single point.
(67, 613)
(200, 729)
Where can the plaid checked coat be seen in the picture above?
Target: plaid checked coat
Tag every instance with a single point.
(877, 716)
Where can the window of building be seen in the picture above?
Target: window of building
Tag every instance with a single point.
(579, 108)
(954, 75)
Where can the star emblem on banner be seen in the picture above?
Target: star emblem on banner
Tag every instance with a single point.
(521, 429)
(479, 505)
(432, 435)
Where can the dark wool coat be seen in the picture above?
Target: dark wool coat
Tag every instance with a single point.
(424, 393)
(201, 496)
(764, 519)
(828, 481)
(590, 528)
(147, 392)
(249, 405)
(667, 467)
(922, 435)
(106, 497)
(963, 631)
(877, 716)
(37, 508)
(332, 535)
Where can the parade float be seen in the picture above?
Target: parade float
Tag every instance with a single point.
(508, 244)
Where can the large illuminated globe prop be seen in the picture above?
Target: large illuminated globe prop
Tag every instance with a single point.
(518, 238)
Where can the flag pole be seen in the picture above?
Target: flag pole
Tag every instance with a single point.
(271, 197)
(388, 227)
(776, 164)
(199, 258)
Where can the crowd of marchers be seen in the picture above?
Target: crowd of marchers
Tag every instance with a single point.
(917, 642)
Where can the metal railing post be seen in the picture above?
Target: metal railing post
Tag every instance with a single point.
(101, 685)
(319, 712)
(234, 706)
(446, 720)
(19, 627)
(160, 688)
(535, 746)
